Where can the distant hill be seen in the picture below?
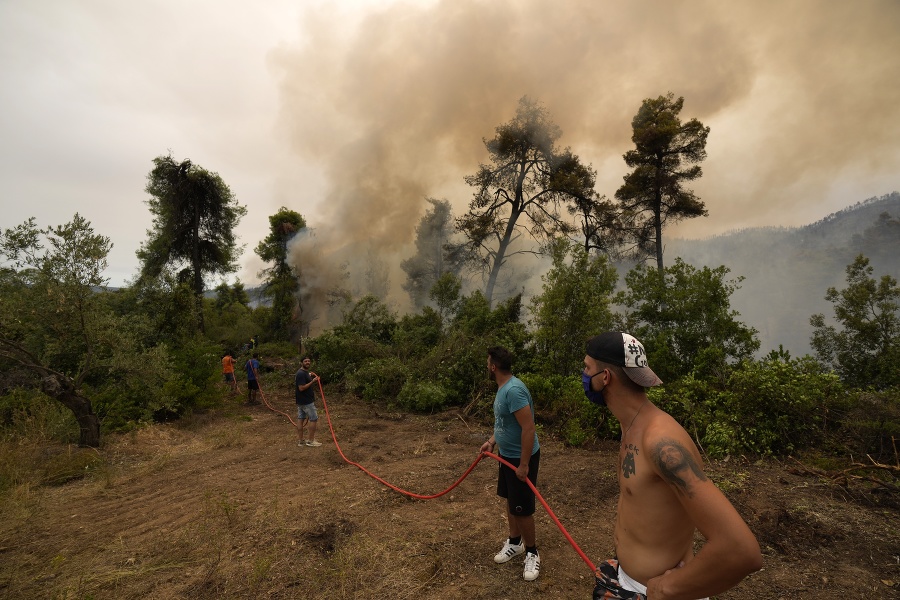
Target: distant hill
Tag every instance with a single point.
(788, 270)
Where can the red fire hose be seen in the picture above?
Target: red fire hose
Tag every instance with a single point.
(439, 494)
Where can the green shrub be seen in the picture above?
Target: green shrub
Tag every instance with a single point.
(459, 366)
(231, 326)
(138, 387)
(279, 349)
(370, 318)
(688, 401)
(459, 363)
(338, 356)
(870, 422)
(421, 396)
(378, 379)
(769, 407)
(157, 384)
(197, 367)
(416, 334)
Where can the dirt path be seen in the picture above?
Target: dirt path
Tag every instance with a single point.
(227, 505)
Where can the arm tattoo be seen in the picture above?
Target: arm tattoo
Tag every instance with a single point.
(676, 463)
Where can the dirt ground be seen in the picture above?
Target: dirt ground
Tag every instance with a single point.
(226, 505)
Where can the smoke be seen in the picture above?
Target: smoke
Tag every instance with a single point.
(395, 108)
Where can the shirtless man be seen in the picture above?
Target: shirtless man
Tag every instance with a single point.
(664, 495)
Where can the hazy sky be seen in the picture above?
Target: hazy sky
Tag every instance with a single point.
(351, 113)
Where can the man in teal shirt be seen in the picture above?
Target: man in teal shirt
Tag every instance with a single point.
(515, 436)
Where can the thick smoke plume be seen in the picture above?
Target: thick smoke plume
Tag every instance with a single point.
(800, 96)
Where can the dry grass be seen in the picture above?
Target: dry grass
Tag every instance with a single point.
(229, 507)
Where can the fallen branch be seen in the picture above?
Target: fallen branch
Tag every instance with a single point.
(845, 476)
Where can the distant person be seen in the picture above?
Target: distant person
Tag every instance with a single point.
(515, 437)
(664, 495)
(305, 397)
(228, 363)
(252, 368)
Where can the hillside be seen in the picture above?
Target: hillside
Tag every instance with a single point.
(226, 505)
(788, 270)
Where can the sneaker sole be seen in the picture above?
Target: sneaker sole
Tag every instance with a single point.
(505, 559)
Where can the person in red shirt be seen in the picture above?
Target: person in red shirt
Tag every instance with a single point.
(228, 371)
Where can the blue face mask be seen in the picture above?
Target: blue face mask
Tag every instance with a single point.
(595, 397)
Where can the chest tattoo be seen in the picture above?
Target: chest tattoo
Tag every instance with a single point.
(628, 464)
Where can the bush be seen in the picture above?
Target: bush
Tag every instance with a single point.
(136, 388)
(769, 407)
(197, 367)
(459, 363)
(378, 379)
(276, 349)
(688, 401)
(459, 366)
(416, 333)
(369, 318)
(338, 356)
(421, 396)
(231, 326)
(870, 422)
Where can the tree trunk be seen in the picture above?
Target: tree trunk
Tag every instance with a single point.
(658, 217)
(659, 244)
(499, 257)
(492, 277)
(198, 275)
(63, 390)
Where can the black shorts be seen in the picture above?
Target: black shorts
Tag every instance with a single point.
(252, 384)
(519, 497)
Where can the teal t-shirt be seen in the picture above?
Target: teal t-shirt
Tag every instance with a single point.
(511, 397)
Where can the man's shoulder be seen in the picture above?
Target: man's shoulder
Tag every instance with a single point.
(516, 390)
(515, 382)
(520, 385)
(662, 426)
(664, 440)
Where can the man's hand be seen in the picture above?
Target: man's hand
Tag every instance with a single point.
(522, 471)
(486, 447)
(654, 586)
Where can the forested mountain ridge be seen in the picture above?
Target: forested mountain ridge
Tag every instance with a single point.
(788, 270)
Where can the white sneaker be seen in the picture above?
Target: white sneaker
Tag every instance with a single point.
(532, 566)
(301, 442)
(509, 551)
(312, 443)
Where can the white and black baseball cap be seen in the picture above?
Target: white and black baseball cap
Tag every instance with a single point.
(623, 350)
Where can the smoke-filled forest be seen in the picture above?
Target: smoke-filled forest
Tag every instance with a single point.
(191, 492)
(413, 196)
(539, 262)
(90, 366)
